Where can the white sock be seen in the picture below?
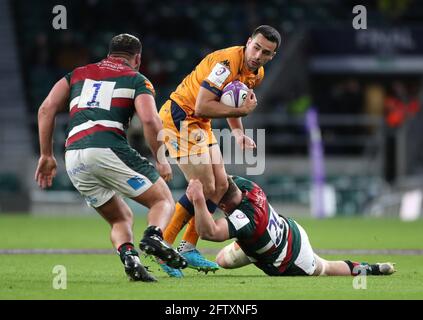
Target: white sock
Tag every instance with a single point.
(185, 246)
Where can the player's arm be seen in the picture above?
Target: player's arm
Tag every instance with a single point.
(206, 227)
(54, 103)
(238, 132)
(145, 107)
(207, 105)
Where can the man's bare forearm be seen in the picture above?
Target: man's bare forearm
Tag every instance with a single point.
(215, 109)
(204, 222)
(236, 125)
(46, 124)
(151, 132)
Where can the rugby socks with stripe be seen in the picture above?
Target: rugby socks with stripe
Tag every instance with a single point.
(184, 211)
(363, 268)
(125, 250)
(190, 237)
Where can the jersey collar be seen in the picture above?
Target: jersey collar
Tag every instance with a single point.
(119, 60)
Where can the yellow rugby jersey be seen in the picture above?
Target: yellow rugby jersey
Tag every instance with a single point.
(214, 72)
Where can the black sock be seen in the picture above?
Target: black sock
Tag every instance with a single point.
(126, 249)
(374, 270)
(184, 202)
(153, 231)
(211, 206)
(363, 267)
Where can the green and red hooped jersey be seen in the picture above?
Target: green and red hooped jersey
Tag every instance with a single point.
(101, 103)
(272, 240)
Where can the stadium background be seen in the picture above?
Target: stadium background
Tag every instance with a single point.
(365, 84)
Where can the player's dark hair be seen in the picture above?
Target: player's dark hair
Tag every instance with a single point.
(269, 33)
(232, 190)
(125, 44)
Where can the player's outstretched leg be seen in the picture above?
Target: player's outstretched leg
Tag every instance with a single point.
(152, 243)
(158, 199)
(117, 213)
(354, 268)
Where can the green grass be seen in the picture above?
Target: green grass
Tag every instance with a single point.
(102, 276)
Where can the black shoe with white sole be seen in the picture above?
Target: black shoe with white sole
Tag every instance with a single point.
(152, 243)
(136, 271)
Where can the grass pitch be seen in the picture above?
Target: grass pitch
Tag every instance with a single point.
(101, 276)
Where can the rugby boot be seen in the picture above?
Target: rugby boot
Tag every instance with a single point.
(152, 243)
(135, 270)
(172, 272)
(197, 261)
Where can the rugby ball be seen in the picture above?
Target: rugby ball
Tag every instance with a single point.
(234, 94)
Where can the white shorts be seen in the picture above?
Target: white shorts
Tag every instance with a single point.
(305, 259)
(98, 173)
(234, 257)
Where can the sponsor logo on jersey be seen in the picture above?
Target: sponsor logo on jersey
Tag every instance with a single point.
(219, 74)
(225, 63)
(238, 219)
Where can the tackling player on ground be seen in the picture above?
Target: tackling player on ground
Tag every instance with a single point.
(186, 118)
(101, 99)
(277, 245)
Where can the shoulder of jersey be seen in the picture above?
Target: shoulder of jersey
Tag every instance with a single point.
(229, 57)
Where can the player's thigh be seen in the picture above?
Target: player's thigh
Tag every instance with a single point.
(202, 171)
(306, 258)
(232, 256)
(115, 210)
(81, 173)
(219, 172)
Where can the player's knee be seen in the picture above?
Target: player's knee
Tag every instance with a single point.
(220, 259)
(321, 266)
(122, 218)
(168, 205)
(231, 257)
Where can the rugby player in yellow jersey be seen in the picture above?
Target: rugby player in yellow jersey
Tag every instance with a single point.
(186, 118)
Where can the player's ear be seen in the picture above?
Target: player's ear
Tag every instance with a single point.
(138, 59)
(249, 41)
(222, 206)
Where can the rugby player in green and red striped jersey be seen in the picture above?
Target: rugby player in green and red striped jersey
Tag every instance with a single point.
(101, 99)
(277, 245)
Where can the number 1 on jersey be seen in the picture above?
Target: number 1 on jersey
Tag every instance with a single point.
(93, 102)
(96, 94)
